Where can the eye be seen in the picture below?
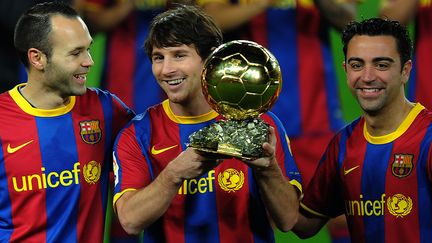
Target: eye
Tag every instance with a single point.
(157, 58)
(356, 65)
(383, 65)
(180, 55)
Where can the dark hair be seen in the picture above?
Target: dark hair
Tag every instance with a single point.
(379, 27)
(34, 26)
(186, 25)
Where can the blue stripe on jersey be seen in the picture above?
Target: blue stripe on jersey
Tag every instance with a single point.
(288, 109)
(424, 192)
(56, 157)
(143, 79)
(291, 169)
(145, 125)
(5, 202)
(201, 214)
(333, 106)
(373, 184)
(107, 104)
(344, 135)
(257, 216)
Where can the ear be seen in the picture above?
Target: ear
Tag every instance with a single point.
(36, 58)
(406, 70)
(344, 65)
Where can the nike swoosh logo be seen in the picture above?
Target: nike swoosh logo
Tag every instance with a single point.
(349, 170)
(12, 150)
(155, 151)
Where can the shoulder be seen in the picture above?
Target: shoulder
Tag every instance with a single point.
(143, 121)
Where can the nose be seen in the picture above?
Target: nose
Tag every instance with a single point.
(168, 67)
(88, 60)
(368, 74)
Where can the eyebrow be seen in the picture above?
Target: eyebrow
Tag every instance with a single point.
(379, 59)
(79, 48)
(376, 59)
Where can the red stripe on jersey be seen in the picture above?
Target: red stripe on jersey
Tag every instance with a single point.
(423, 56)
(26, 199)
(176, 214)
(91, 207)
(313, 101)
(406, 182)
(351, 176)
(258, 29)
(121, 62)
(231, 208)
(172, 231)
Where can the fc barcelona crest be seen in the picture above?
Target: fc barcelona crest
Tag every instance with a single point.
(90, 131)
(402, 165)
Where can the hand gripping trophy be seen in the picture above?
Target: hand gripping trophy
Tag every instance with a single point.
(241, 80)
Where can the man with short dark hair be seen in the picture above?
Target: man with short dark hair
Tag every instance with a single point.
(56, 134)
(377, 170)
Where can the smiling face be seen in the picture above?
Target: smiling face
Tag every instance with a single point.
(373, 70)
(66, 70)
(178, 71)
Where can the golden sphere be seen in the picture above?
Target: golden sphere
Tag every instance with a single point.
(241, 79)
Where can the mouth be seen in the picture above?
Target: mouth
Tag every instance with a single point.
(370, 90)
(175, 81)
(82, 78)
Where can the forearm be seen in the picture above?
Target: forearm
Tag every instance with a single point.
(280, 197)
(229, 17)
(107, 19)
(137, 210)
(400, 10)
(337, 14)
(308, 227)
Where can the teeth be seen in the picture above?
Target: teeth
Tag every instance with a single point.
(370, 90)
(174, 81)
(80, 77)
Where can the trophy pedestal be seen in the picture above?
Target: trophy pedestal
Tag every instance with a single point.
(242, 139)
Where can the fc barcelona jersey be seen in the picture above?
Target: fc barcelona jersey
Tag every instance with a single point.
(54, 167)
(296, 34)
(222, 205)
(382, 184)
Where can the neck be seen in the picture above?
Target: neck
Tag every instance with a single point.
(387, 120)
(196, 108)
(41, 98)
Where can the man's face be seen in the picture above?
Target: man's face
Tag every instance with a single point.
(178, 71)
(66, 70)
(373, 70)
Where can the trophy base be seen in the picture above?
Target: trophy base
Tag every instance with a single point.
(241, 139)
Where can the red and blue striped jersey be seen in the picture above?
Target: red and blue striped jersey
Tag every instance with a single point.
(127, 70)
(421, 75)
(223, 205)
(54, 167)
(298, 37)
(382, 184)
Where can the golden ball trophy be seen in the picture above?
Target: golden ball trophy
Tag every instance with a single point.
(241, 80)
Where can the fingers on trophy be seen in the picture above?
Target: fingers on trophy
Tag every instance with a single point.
(241, 80)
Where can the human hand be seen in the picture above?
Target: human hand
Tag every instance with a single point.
(191, 164)
(269, 151)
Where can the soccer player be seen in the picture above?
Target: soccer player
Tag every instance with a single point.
(171, 191)
(377, 170)
(56, 135)
(419, 11)
(297, 33)
(127, 70)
